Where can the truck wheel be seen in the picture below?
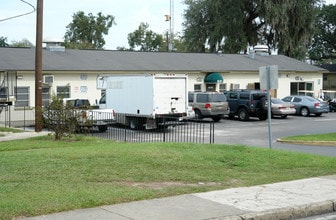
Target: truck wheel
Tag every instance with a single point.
(263, 117)
(102, 128)
(198, 114)
(134, 123)
(243, 115)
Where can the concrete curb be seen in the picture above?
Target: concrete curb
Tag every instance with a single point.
(313, 143)
(301, 211)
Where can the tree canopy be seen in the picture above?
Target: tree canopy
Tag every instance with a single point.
(87, 31)
(230, 26)
(145, 39)
(3, 42)
(324, 41)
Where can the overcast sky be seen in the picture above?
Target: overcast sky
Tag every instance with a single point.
(58, 14)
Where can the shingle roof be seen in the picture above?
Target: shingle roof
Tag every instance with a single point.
(107, 60)
(330, 67)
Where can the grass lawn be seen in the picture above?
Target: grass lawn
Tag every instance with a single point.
(40, 176)
(313, 137)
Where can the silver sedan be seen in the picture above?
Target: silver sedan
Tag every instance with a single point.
(306, 105)
(281, 108)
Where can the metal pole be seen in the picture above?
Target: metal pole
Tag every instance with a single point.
(268, 75)
(38, 66)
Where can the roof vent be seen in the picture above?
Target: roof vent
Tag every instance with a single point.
(54, 44)
(261, 50)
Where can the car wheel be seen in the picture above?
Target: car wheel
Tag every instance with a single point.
(198, 114)
(304, 112)
(243, 115)
(216, 118)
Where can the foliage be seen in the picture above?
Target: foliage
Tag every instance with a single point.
(324, 41)
(61, 119)
(144, 39)
(3, 42)
(91, 172)
(86, 31)
(230, 26)
(22, 43)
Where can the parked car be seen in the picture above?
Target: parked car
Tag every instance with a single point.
(247, 103)
(306, 105)
(281, 108)
(332, 105)
(209, 105)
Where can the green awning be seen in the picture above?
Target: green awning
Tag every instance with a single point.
(213, 78)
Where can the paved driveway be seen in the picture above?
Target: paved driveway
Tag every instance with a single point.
(255, 132)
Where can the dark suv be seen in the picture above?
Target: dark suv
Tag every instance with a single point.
(247, 103)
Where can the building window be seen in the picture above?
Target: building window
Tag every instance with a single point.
(197, 87)
(302, 88)
(234, 86)
(210, 87)
(3, 93)
(45, 96)
(83, 89)
(22, 96)
(83, 77)
(222, 87)
(63, 91)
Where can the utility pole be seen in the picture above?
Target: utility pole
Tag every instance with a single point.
(38, 66)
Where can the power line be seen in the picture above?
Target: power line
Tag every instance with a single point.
(20, 15)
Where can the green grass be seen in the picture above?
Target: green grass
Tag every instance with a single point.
(14, 130)
(40, 176)
(313, 137)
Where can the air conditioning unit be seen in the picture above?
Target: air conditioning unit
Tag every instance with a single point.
(48, 79)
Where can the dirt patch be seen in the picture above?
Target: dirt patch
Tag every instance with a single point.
(161, 185)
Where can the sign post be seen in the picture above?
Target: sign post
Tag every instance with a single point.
(268, 76)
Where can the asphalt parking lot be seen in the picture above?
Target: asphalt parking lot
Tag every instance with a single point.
(255, 132)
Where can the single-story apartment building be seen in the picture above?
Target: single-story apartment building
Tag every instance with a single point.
(77, 73)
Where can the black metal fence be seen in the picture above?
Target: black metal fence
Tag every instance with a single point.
(186, 131)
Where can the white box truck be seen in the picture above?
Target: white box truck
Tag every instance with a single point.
(146, 100)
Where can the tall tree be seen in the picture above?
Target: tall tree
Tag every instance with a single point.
(87, 31)
(290, 24)
(145, 39)
(232, 25)
(3, 42)
(324, 41)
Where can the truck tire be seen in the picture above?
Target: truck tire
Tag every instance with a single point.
(262, 117)
(135, 123)
(102, 128)
(243, 115)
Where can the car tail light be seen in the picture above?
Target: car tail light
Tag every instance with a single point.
(207, 105)
(316, 105)
(282, 107)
